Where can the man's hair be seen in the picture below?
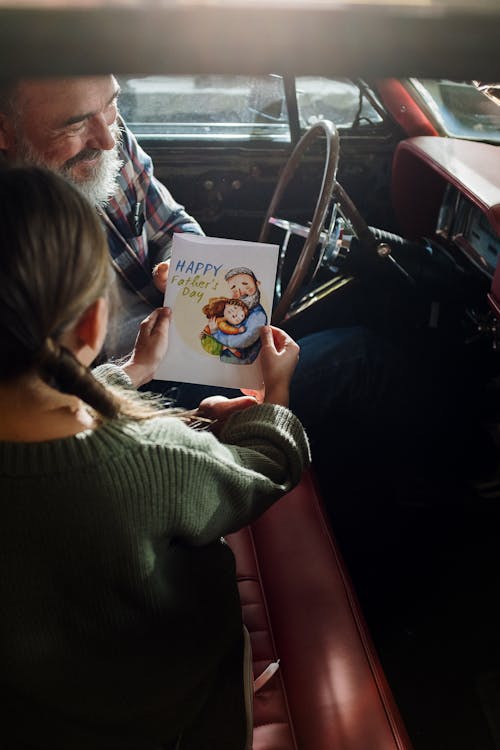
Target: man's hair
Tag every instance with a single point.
(236, 271)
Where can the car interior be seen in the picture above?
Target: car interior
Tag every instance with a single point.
(363, 138)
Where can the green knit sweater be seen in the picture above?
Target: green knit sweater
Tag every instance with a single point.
(120, 620)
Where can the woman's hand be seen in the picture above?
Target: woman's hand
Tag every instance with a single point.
(219, 408)
(150, 347)
(160, 275)
(278, 357)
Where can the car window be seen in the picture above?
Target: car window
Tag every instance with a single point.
(205, 106)
(237, 107)
(339, 100)
(462, 109)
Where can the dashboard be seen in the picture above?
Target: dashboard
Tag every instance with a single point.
(466, 225)
(450, 188)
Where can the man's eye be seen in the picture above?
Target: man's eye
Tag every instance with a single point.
(77, 127)
(111, 111)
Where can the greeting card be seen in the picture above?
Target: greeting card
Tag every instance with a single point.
(221, 294)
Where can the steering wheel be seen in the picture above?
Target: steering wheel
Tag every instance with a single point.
(316, 234)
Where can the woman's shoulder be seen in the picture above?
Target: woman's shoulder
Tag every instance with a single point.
(164, 430)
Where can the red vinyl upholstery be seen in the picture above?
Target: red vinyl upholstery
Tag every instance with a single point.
(330, 692)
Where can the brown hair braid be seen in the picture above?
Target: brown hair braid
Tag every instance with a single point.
(58, 365)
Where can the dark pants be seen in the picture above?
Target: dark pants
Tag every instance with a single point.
(341, 372)
(369, 410)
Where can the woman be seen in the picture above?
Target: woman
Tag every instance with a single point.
(121, 624)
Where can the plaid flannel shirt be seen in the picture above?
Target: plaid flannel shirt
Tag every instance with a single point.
(141, 219)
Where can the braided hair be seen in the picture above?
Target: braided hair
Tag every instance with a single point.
(54, 263)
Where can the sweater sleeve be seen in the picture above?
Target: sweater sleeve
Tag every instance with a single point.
(109, 374)
(219, 486)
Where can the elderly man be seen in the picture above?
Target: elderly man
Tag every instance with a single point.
(72, 126)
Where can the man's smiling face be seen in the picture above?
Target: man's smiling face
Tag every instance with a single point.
(68, 125)
(242, 285)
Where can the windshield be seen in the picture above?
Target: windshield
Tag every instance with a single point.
(460, 109)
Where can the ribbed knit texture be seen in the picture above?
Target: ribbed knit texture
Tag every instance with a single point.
(119, 607)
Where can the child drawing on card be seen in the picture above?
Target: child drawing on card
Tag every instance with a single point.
(244, 286)
(228, 316)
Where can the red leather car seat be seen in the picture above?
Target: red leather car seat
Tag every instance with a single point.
(330, 692)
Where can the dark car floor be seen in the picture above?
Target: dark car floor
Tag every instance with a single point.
(423, 554)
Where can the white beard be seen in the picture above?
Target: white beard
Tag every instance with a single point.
(251, 300)
(102, 183)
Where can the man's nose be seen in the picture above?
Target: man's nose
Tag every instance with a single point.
(100, 136)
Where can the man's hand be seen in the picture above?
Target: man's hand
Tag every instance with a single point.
(160, 275)
(150, 347)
